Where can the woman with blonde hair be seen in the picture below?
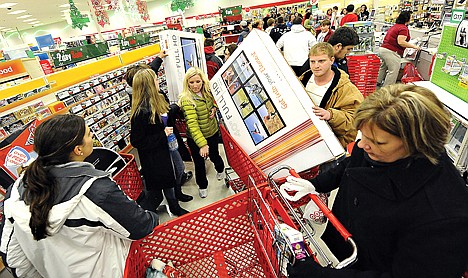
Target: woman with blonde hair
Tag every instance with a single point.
(150, 127)
(399, 194)
(198, 105)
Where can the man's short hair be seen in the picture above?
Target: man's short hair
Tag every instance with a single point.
(325, 22)
(297, 20)
(270, 21)
(322, 48)
(344, 35)
(280, 20)
(243, 23)
(350, 8)
(209, 42)
(335, 8)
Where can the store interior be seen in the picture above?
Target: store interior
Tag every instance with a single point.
(71, 56)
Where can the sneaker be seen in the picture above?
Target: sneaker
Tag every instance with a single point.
(220, 176)
(203, 193)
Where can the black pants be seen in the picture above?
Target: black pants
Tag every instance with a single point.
(153, 198)
(199, 161)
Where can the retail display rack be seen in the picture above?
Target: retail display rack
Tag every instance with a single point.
(365, 30)
(95, 91)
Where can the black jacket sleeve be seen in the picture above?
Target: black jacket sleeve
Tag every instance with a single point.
(156, 64)
(107, 195)
(331, 179)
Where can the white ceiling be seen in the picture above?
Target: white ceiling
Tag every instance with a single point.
(44, 11)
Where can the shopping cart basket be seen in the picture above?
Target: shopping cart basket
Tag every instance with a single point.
(234, 237)
(244, 167)
(129, 178)
(241, 163)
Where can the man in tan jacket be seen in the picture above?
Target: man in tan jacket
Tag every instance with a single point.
(333, 94)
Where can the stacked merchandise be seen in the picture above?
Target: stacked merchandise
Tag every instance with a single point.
(363, 72)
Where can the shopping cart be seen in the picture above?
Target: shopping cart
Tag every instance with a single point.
(234, 237)
(243, 167)
(241, 164)
(129, 178)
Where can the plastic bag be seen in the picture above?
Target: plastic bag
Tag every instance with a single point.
(410, 74)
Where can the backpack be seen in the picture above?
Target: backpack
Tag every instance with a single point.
(213, 64)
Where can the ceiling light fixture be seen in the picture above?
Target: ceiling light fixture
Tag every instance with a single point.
(24, 16)
(7, 5)
(17, 12)
(30, 19)
(64, 6)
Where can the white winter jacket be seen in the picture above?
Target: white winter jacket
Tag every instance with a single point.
(296, 45)
(92, 224)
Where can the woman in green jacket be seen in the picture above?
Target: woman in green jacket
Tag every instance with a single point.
(199, 109)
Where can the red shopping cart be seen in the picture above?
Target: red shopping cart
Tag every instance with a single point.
(234, 237)
(129, 178)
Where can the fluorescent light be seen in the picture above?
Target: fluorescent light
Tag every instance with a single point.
(17, 12)
(64, 6)
(35, 22)
(65, 11)
(30, 19)
(24, 16)
(7, 5)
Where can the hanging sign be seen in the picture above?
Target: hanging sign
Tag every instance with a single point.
(11, 68)
(46, 66)
(232, 13)
(79, 53)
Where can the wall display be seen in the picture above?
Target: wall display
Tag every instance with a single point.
(267, 110)
(184, 51)
(460, 38)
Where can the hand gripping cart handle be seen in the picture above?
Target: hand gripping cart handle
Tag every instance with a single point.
(326, 211)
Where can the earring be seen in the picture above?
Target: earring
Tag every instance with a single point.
(81, 153)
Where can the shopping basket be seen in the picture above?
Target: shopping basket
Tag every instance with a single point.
(129, 178)
(234, 237)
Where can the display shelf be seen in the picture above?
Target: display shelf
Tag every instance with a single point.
(457, 146)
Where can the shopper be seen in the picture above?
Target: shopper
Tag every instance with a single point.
(228, 50)
(364, 13)
(246, 27)
(350, 15)
(333, 94)
(329, 14)
(150, 127)
(206, 33)
(290, 20)
(64, 218)
(296, 45)
(199, 108)
(213, 62)
(392, 48)
(399, 194)
(334, 21)
(307, 22)
(326, 32)
(343, 41)
(258, 24)
(155, 65)
(270, 25)
(279, 30)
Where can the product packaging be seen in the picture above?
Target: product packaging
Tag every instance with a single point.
(291, 245)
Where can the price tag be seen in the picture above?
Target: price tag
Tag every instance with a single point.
(457, 16)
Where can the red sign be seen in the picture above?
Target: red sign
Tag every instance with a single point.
(58, 40)
(46, 67)
(11, 68)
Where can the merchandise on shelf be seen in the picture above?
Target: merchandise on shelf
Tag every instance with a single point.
(365, 30)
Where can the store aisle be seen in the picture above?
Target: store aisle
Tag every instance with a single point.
(217, 190)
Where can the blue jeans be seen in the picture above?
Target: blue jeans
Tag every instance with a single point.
(178, 164)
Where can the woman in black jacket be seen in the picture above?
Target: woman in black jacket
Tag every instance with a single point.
(399, 194)
(149, 131)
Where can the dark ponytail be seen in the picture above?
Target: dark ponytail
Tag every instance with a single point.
(54, 141)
